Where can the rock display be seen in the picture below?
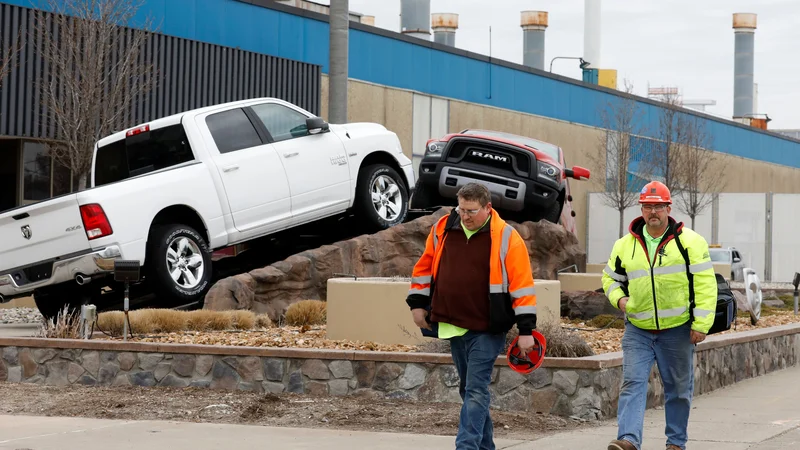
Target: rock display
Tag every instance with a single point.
(392, 252)
(586, 305)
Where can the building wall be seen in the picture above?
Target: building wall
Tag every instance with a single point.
(394, 108)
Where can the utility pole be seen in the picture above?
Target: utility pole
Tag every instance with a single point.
(337, 76)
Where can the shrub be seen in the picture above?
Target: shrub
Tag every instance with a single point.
(243, 319)
(67, 325)
(306, 312)
(263, 321)
(605, 320)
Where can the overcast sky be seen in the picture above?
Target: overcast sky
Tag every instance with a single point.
(687, 44)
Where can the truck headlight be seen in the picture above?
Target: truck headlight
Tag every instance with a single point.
(434, 149)
(549, 171)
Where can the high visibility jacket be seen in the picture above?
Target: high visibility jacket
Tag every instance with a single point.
(512, 295)
(660, 294)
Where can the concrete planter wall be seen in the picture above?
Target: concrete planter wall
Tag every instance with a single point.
(583, 387)
(374, 309)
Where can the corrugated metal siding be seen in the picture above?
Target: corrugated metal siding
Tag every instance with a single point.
(190, 74)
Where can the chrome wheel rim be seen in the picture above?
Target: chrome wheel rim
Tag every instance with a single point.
(185, 262)
(387, 198)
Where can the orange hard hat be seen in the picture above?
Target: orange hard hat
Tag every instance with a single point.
(532, 360)
(655, 192)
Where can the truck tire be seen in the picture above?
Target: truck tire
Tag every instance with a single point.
(51, 300)
(552, 213)
(381, 198)
(421, 198)
(179, 263)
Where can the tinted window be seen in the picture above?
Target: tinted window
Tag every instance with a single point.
(142, 153)
(282, 123)
(232, 131)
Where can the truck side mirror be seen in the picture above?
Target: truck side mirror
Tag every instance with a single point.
(316, 125)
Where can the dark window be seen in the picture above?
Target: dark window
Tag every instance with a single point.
(282, 123)
(232, 131)
(36, 171)
(143, 153)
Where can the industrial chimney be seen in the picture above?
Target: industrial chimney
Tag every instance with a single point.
(533, 24)
(744, 26)
(591, 33)
(444, 27)
(415, 18)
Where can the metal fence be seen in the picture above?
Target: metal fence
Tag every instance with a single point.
(189, 74)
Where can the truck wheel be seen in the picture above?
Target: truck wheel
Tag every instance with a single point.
(51, 300)
(381, 197)
(552, 213)
(179, 263)
(421, 198)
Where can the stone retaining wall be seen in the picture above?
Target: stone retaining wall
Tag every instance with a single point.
(583, 387)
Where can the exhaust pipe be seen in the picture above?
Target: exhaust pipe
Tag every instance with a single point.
(82, 279)
(2, 299)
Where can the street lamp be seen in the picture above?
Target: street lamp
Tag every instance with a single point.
(583, 63)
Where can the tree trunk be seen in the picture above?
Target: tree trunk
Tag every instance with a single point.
(692, 217)
(621, 221)
(82, 181)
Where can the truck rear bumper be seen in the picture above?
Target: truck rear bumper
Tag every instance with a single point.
(63, 270)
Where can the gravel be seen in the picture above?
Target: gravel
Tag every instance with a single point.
(20, 315)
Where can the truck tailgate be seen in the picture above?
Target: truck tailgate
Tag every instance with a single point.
(41, 232)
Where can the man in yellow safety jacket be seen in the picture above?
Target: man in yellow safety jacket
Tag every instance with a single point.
(669, 307)
(475, 278)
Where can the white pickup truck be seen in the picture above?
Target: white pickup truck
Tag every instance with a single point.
(170, 192)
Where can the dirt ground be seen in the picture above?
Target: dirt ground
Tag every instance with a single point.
(287, 410)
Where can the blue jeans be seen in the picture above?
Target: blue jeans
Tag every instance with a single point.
(474, 355)
(673, 351)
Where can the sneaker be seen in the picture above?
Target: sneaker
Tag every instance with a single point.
(621, 444)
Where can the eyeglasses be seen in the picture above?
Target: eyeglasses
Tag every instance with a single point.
(468, 212)
(656, 208)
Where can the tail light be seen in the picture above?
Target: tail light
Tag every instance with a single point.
(95, 221)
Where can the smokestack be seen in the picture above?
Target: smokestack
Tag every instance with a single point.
(368, 20)
(533, 24)
(415, 18)
(444, 27)
(591, 33)
(744, 26)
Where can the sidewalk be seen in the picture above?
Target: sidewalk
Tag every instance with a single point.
(760, 413)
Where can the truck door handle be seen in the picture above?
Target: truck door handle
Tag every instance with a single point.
(289, 155)
(230, 168)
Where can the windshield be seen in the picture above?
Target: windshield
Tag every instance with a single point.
(550, 149)
(143, 153)
(720, 255)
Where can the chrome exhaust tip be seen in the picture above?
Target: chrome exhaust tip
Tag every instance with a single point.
(82, 279)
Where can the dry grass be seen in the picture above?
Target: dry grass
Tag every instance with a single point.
(306, 312)
(66, 326)
(153, 321)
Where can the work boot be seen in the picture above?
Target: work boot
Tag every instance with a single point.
(673, 447)
(620, 444)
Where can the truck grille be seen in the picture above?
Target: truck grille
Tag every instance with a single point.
(493, 155)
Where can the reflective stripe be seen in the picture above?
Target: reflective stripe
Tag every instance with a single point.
(667, 270)
(699, 267)
(614, 275)
(505, 243)
(435, 240)
(701, 312)
(672, 312)
(524, 310)
(421, 280)
(425, 291)
(523, 292)
(641, 315)
(496, 289)
(637, 274)
(612, 287)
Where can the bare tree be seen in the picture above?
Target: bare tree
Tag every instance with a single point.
(702, 171)
(669, 133)
(8, 57)
(616, 152)
(97, 71)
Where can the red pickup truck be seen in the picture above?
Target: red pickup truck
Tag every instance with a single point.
(528, 178)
